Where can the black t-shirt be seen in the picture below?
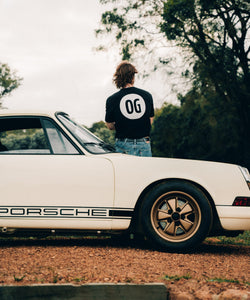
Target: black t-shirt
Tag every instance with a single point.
(131, 110)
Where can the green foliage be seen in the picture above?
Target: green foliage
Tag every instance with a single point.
(17, 279)
(216, 33)
(81, 279)
(134, 25)
(8, 80)
(18, 139)
(241, 239)
(176, 277)
(198, 129)
(101, 131)
(38, 140)
(166, 131)
(220, 280)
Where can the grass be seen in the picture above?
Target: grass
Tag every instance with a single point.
(18, 278)
(216, 279)
(79, 279)
(176, 278)
(220, 280)
(242, 239)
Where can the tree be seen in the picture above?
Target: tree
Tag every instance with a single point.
(214, 36)
(217, 32)
(134, 26)
(8, 81)
(100, 130)
(196, 130)
(166, 131)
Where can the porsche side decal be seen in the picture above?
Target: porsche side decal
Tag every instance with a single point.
(65, 212)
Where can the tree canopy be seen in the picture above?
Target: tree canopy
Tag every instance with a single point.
(8, 81)
(217, 33)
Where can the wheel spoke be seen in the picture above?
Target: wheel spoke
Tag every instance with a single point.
(173, 204)
(186, 224)
(186, 209)
(170, 229)
(163, 215)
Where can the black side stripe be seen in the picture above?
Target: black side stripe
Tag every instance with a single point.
(120, 213)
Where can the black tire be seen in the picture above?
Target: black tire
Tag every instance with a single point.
(176, 216)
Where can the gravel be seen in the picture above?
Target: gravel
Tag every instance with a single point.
(209, 270)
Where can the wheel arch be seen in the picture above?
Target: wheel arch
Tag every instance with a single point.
(135, 222)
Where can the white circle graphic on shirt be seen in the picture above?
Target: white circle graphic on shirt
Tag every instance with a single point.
(132, 106)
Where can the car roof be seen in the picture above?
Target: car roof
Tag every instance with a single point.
(29, 112)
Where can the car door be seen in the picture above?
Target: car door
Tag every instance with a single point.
(47, 182)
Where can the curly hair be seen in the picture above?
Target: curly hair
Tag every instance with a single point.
(124, 74)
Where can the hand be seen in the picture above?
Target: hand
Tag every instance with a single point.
(111, 126)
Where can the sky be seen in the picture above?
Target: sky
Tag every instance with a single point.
(50, 44)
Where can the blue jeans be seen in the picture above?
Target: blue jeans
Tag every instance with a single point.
(138, 147)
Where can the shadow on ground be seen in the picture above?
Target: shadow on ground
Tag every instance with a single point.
(116, 242)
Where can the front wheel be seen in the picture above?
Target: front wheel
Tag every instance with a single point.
(176, 215)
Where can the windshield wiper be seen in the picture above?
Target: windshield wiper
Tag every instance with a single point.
(92, 143)
(107, 146)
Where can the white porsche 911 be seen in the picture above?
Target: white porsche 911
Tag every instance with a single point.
(57, 176)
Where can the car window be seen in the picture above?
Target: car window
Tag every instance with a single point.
(28, 135)
(22, 136)
(59, 144)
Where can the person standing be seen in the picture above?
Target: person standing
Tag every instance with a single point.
(130, 112)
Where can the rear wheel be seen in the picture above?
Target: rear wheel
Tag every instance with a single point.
(176, 215)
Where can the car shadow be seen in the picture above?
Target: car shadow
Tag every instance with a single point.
(118, 242)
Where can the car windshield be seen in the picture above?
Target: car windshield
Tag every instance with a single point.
(87, 139)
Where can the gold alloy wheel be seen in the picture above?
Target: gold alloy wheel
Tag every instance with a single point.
(175, 216)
